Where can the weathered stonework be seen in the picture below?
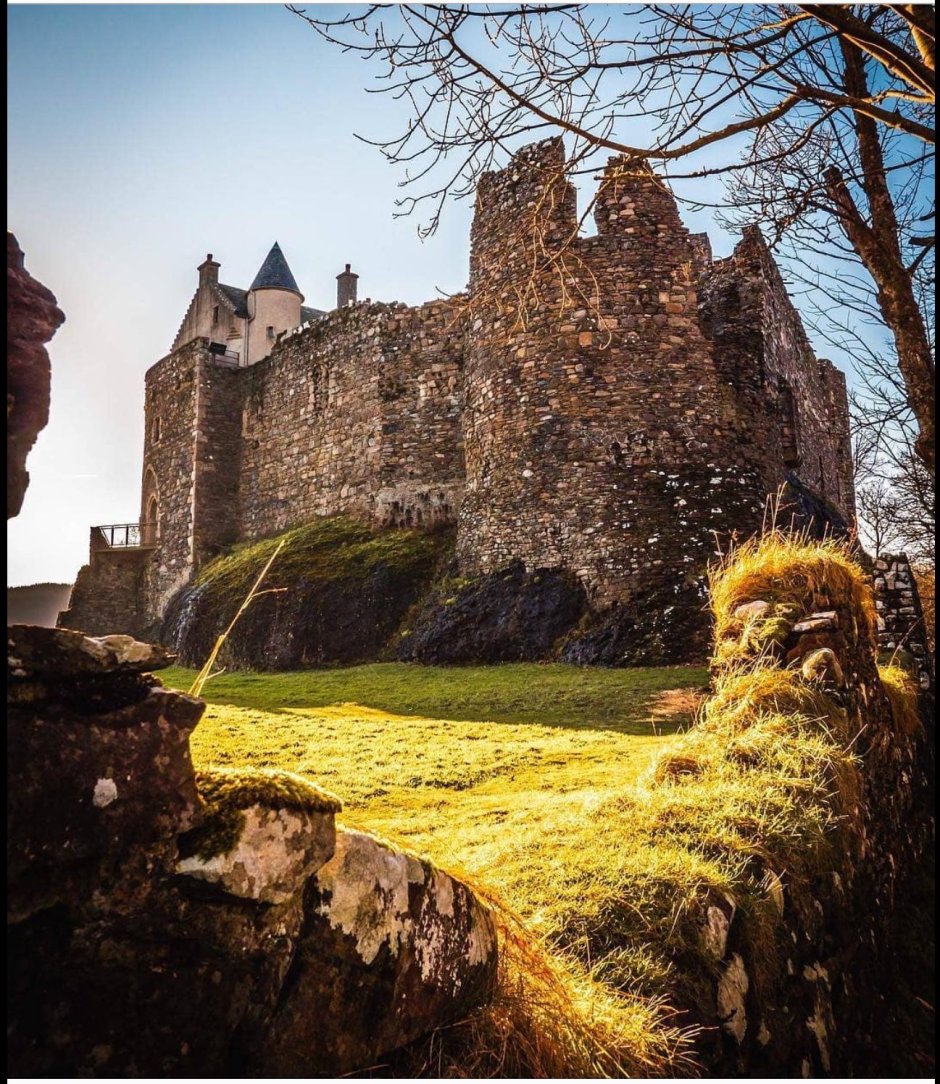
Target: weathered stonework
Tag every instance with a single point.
(901, 628)
(164, 924)
(615, 406)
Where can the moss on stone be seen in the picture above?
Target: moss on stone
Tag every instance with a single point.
(329, 548)
(227, 792)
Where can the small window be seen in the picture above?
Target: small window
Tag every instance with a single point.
(789, 425)
(215, 316)
(271, 331)
(155, 430)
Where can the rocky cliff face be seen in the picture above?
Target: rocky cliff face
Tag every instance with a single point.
(32, 320)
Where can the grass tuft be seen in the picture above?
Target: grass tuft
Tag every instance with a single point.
(797, 577)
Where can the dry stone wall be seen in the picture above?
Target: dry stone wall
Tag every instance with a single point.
(901, 628)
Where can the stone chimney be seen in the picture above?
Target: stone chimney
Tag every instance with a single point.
(346, 288)
(208, 271)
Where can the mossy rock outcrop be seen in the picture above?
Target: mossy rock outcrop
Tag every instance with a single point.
(337, 593)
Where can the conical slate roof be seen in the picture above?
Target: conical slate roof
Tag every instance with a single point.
(274, 273)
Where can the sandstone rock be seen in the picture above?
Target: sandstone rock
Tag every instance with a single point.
(392, 947)
(817, 622)
(32, 320)
(718, 918)
(732, 990)
(262, 836)
(751, 611)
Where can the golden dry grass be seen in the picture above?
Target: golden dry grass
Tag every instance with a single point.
(792, 573)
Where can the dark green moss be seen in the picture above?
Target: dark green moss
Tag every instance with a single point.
(227, 792)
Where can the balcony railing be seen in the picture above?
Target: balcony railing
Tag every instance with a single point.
(126, 536)
(221, 355)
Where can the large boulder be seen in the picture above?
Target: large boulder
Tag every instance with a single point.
(391, 949)
(99, 752)
(163, 922)
(506, 616)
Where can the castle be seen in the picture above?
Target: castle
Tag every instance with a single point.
(617, 405)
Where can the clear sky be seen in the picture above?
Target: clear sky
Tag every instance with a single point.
(139, 139)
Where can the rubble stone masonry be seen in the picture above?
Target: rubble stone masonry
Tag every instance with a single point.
(616, 405)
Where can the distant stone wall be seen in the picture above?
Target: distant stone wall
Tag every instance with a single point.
(359, 413)
(617, 406)
(109, 594)
(600, 433)
(169, 468)
(793, 407)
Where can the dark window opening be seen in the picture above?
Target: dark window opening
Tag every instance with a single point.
(271, 331)
(155, 430)
(215, 316)
(789, 426)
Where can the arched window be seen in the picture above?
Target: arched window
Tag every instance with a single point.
(151, 529)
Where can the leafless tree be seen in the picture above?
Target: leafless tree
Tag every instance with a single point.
(702, 90)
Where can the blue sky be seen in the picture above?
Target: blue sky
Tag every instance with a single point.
(139, 139)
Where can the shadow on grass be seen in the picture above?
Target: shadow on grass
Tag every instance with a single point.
(642, 701)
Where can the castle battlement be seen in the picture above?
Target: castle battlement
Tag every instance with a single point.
(610, 404)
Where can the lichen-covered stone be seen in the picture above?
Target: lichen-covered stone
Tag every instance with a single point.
(392, 948)
(262, 834)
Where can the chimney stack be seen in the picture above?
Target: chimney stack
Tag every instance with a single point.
(208, 271)
(346, 288)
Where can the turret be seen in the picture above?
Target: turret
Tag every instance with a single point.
(274, 301)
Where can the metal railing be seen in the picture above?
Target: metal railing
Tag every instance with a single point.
(127, 535)
(221, 355)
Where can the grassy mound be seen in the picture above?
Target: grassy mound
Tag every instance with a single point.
(337, 592)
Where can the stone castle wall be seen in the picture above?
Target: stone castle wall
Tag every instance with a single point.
(358, 413)
(603, 430)
(793, 407)
(618, 405)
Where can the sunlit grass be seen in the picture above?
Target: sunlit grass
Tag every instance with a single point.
(566, 795)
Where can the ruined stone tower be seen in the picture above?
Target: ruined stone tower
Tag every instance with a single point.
(615, 405)
(600, 435)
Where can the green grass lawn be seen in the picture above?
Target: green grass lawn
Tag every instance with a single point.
(482, 769)
(549, 694)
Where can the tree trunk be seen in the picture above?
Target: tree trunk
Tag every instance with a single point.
(878, 247)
